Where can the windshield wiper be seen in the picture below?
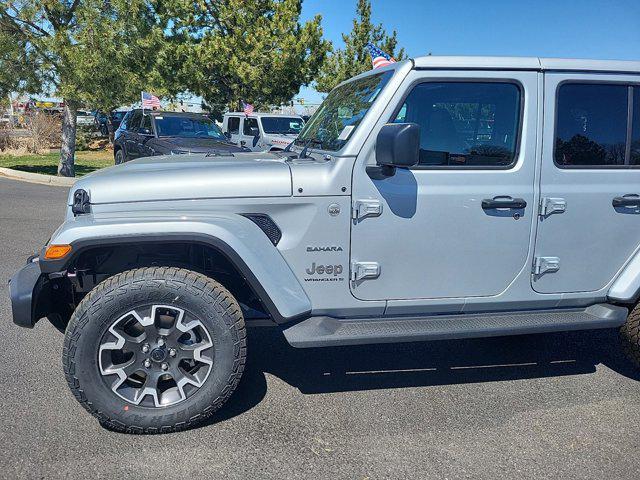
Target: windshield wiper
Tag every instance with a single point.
(303, 153)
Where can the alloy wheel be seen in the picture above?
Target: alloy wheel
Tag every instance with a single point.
(156, 356)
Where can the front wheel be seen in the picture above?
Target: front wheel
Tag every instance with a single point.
(119, 157)
(155, 349)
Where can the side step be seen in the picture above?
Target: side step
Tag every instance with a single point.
(329, 331)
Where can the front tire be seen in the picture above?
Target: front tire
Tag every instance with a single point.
(155, 350)
(119, 157)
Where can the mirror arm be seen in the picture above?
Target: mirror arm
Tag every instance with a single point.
(380, 172)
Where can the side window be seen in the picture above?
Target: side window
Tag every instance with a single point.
(233, 125)
(591, 125)
(465, 124)
(133, 124)
(635, 131)
(250, 127)
(146, 124)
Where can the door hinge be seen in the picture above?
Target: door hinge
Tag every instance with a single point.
(366, 208)
(549, 206)
(545, 265)
(362, 270)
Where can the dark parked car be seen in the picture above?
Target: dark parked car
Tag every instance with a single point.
(168, 133)
(102, 121)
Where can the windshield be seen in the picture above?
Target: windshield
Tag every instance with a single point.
(282, 125)
(341, 112)
(187, 127)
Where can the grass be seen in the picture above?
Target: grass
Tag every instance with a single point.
(86, 162)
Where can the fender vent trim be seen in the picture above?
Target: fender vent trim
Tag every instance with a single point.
(267, 225)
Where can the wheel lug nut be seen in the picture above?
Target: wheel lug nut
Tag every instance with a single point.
(172, 352)
(160, 341)
(164, 366)
(147, 363)
(145, 348)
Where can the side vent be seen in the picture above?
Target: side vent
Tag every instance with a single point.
(81, 203)
(267, 225)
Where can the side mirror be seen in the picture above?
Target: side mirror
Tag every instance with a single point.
(228, 135)
(397, 146)
(145, 131)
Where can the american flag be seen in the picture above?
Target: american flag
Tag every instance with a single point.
(150, 101)
(247, 108)
(378, 57)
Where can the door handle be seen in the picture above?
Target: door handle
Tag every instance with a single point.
(503, 202)
(629, 200)
(243, 143)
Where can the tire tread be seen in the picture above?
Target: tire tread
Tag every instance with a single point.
(119, 284)
(630, 336)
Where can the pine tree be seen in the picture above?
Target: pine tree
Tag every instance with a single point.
(91, 53)
(230, 51)
(354, 58)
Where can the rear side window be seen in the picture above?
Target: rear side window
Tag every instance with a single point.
(635, 131)
(233, 125)
(591, 125)
(465, 124)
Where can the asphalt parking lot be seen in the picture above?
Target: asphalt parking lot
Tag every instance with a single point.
(557, 406)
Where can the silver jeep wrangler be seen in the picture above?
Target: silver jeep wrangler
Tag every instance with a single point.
(439, 198)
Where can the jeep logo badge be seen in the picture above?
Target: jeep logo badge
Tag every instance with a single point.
(334, 270)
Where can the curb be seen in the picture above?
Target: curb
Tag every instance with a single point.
(37, 178)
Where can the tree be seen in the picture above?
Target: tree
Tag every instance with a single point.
(230, 51)
(354, 58)
(95, 53)
(16, 69)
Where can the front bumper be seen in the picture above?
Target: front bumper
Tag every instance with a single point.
(30, 294)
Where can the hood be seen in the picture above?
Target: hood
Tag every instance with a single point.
(176, 177)
(197, 145)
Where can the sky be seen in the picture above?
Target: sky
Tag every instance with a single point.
(543, 28)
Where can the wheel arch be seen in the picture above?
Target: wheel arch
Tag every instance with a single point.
(254, 257)
(626, 286)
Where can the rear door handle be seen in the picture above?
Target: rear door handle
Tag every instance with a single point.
(629, 200)
(503, 202)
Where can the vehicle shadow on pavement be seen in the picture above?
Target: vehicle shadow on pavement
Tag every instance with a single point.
(370, 367)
